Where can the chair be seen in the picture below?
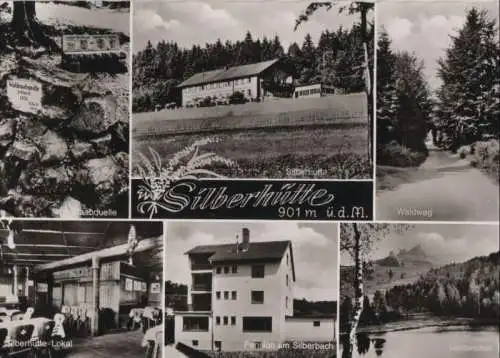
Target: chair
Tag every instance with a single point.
(29, 313)
(75, 322)
(22, 336)
(135, 318)
(3, 336)
(45, 336)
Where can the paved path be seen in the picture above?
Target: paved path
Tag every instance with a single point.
(171, 352)
(443, 188)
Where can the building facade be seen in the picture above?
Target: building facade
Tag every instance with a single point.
(314, 90)
(219, 85)
(241, 298)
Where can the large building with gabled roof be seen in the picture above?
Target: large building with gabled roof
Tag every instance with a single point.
(241, 298)
(220, 84)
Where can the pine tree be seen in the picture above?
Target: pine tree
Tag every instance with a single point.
(468, 97)
(387, 100)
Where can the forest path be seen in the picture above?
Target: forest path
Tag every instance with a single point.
(443, 188)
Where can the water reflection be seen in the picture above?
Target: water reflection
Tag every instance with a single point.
(363, 343)
(430, 342)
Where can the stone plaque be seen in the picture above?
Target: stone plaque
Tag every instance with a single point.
(89, 44)
(25, 95)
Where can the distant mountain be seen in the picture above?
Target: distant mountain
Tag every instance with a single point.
(414, 256)
(401, 268)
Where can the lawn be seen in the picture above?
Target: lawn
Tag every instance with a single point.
(336, 151)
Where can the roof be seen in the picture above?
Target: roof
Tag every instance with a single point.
(257, 251)
(228, 74)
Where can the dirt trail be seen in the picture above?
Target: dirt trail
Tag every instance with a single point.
(444, 188)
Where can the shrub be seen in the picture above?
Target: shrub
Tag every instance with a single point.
(464, 151)
(397, 155)
(486, 157)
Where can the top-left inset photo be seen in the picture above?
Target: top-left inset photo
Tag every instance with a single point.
(64, 108)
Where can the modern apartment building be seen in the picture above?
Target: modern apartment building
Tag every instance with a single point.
(241, 298)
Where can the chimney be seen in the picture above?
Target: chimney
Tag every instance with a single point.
(245, 235)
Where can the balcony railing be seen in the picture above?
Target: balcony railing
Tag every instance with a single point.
(202, 287)
(195, 267)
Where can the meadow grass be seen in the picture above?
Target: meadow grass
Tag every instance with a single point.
(334, 151)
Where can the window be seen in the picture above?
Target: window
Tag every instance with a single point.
(258, 345)
(225, 320)
(233, 295)
(249, 79)
(257, 324)
(286, 302)
(287, 260)
(217, 320)
(218, 345)
(234, 269)
(218, 270)
(195, 343)
(217, 295)
(286, 277)
(233, 320)
(226, 295)
(257, 297)
(258, 271)
(316, 323)
(197, 324)
(226, 269)
(249, 92)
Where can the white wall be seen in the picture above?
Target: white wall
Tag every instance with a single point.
(224, 90)
(204, 338)
(308, 88)
(303, 330)
(233, 338)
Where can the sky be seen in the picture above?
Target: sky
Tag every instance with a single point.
(315, 250)
(443, 243)
(198, 22)
(424, 27)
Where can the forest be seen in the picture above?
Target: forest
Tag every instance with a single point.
(468, 289)
(462, 113)
(335, 58)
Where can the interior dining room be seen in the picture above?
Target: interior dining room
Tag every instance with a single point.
(81, 288)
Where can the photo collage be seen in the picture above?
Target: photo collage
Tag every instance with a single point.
(249, 179)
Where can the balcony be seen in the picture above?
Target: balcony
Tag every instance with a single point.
(199, 267)
(202, 286)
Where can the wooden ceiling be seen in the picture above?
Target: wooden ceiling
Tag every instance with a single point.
(39, 242)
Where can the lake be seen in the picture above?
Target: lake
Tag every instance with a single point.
(430, 342)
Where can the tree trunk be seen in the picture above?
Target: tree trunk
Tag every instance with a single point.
(24, 16)
(358, 288)
(364, 38)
